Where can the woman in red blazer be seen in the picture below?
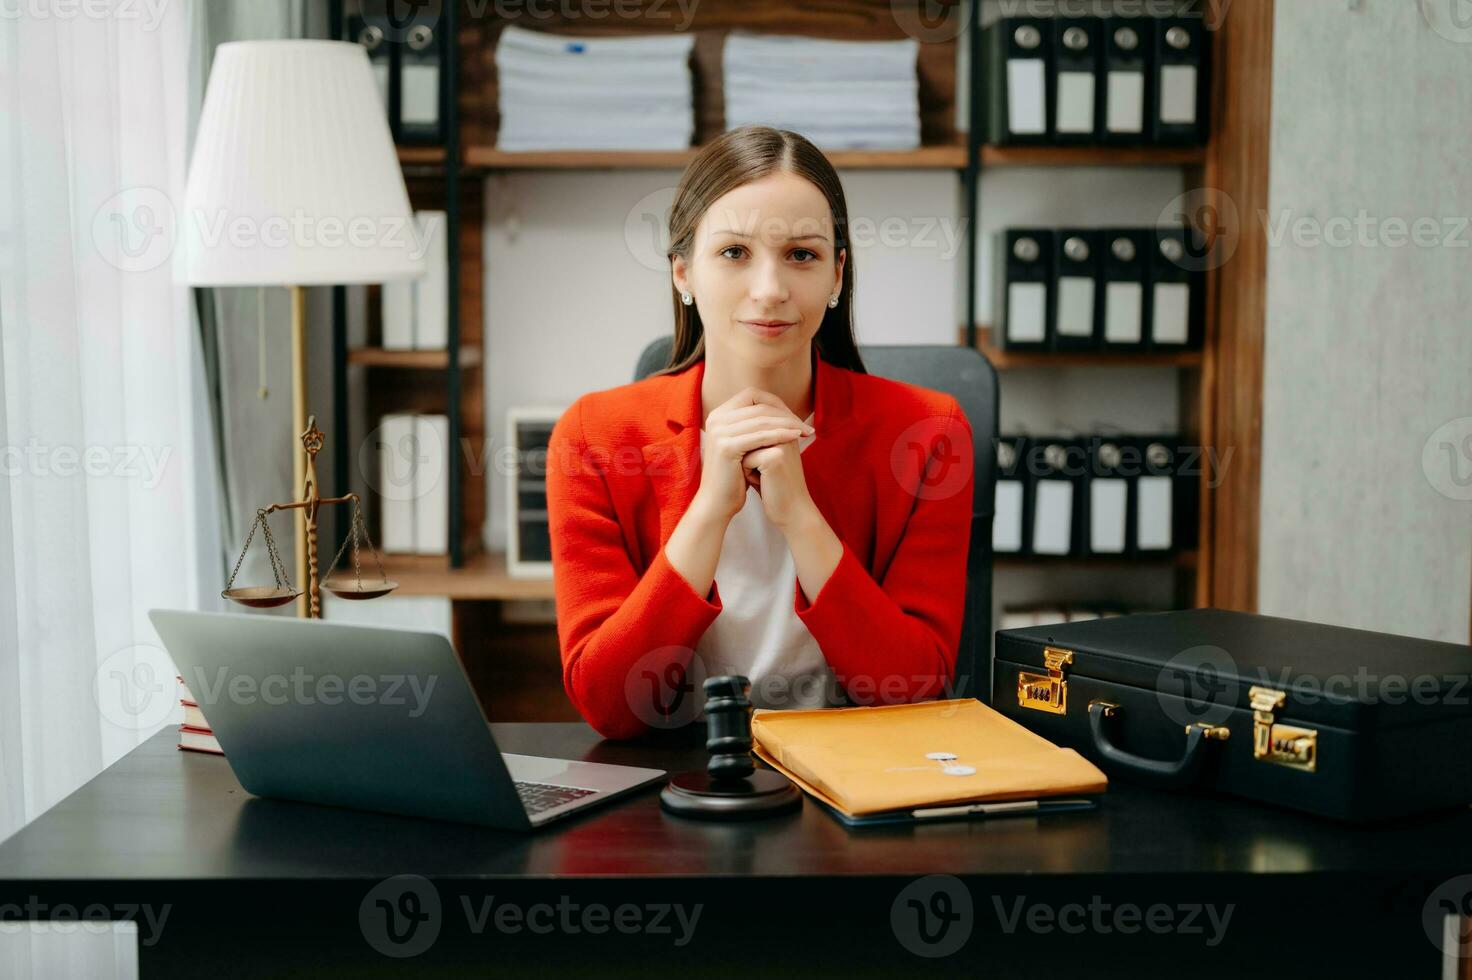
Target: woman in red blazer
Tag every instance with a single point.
(869, 503)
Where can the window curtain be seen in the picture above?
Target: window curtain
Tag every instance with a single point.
(102, 518)
(102, 514)
(110, 475)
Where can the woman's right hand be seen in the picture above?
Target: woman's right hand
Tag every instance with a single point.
(751, 419)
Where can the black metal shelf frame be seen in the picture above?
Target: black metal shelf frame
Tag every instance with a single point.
(453, 382)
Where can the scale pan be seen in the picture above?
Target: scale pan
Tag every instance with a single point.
(261, 596)
(357, 590)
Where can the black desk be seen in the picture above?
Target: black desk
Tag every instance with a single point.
(261, 887)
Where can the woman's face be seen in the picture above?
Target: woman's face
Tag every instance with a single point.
(762, 268)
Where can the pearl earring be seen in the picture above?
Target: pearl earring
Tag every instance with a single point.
(686, 298)
(833, 301)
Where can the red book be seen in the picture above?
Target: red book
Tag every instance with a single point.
(199, 740)
(194, 718)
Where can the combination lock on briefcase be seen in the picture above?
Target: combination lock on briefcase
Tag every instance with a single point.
(1287, 745)
(1046, 692)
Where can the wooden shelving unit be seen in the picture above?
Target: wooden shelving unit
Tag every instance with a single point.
(410, 377)
(482, 577)
(483, 159)
(944, 146)
(480, 159)
(1212, 415)
(1092, 156)
(421, 155)
(494, 651)
(925, 158)
(1186, 559)
(418, 359)
(1219, 402)
(951, 157)
(1005, 360)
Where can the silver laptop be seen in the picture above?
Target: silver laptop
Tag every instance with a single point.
(371, 718)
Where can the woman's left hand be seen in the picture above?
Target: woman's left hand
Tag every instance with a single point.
(777, 474)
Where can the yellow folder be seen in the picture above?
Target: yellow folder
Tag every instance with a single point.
(931, 753)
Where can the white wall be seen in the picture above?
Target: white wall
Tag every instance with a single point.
(1369, 347)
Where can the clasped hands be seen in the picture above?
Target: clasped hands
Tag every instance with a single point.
(752, 441)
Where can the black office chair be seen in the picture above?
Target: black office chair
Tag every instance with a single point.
(970, 378)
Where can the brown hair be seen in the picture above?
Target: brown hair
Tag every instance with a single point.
(732, 160)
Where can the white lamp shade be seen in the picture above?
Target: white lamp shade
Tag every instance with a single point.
(295, 179)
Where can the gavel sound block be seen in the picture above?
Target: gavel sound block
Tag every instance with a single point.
(730, 787)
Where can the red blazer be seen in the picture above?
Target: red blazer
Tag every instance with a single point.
(891, 470)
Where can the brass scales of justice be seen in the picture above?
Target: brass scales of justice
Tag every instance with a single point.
(266, 596)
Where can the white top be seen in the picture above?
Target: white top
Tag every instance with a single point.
(758, 633)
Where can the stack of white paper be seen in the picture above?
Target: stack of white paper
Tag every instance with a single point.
(841, 95)
(414, 456)
(594, 93)
(416, 311)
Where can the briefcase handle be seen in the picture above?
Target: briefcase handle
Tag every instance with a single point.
(1159, 772)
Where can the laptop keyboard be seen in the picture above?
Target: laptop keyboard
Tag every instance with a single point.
(537, 797)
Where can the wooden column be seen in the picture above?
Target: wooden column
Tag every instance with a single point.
(1232, 375)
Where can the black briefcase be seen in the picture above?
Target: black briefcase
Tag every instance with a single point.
(1339, 722)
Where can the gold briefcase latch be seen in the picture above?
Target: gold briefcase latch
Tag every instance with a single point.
(1046, 692)
(1272, 741)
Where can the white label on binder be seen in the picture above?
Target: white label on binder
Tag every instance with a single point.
(1075, 102)
(1007, 524)
(419, 94)
(1172, 313)
(1075, 306)
(1052, 525)
(1108, 504)
(1122, 312)
(1178, 94)
(1025, 88)
(1027, 304)
(1126, 96)
(1152, 513)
